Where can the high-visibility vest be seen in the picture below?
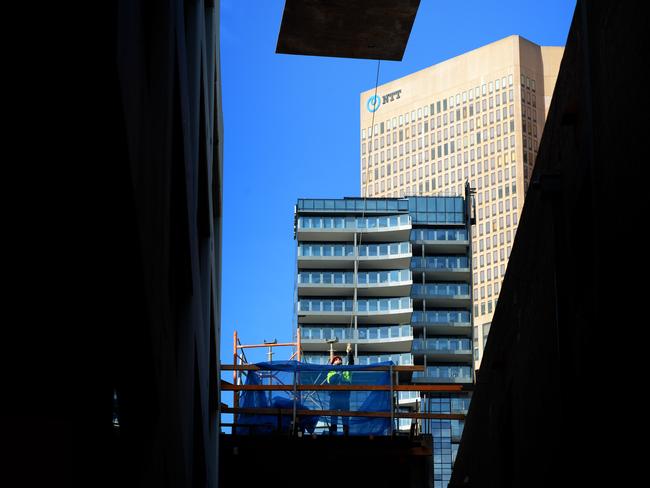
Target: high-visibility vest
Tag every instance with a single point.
(343, 377)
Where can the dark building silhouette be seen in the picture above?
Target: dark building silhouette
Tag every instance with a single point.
(549, 402)
(116, 245)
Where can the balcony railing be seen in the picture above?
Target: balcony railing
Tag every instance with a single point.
(347, 278)
(445, 373)
(440, 290)
(377, 250)
(384, 277)
(405, 359)
(363, 306)
(347, 250)
(325, 278)
(442, 345)
(329, 250)
(325, 305)
(439, 235)
(362, 333)
(358, 224)
(446, 317)
(440, 262)
(384, 305)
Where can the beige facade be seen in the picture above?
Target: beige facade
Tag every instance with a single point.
(476, 117)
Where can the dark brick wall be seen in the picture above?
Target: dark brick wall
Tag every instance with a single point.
(550, 407)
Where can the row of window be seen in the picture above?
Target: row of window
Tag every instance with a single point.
(423, 187)
(438, 235)
(488, 258)
(441, 147)
(424, 168)
(347, 278)
(404, 359)
(347, 250)
(445, 372)
(354, 222)
(484, 308)
(440, 262)
(352, 204)
(420, 189)
(495, 272)
(495, 177)
(442, 344)
(361, 333)
(365, 305)
(446, 128)
(460, 317)
(500, 205)
(440, 290)
(486, 291)
(489, 163)
(486, 243)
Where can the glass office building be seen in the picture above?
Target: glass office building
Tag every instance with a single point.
(392, 277)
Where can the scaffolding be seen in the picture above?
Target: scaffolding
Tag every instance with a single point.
(291, 379)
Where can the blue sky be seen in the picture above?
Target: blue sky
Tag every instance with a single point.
(291, 126)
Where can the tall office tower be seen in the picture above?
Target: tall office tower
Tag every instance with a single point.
(392, 277)
(477, 117)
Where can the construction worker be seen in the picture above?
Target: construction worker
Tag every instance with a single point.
(340, 400)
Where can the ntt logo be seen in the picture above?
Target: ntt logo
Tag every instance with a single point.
(373, 103)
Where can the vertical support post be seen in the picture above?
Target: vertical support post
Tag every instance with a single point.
(295, 401)
(235, 401)
(470, 219)
(354, 303)
(392, 402)
(298, 344)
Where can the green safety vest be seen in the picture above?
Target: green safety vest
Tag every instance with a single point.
(345, 376)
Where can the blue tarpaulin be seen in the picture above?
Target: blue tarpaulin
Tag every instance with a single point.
(288, 372)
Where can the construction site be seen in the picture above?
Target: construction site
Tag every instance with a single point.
(295, 408)
(121, 377)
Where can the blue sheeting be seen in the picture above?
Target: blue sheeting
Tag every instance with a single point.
(286, 372)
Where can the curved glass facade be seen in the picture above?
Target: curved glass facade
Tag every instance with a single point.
(325, 278)
(395, 248)
(318, 250)
(383, 304)
(405, 359)
(321, 305)
(362, 333)
(365, 250)
(370, 305)
(347, 278)
(384, 277)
